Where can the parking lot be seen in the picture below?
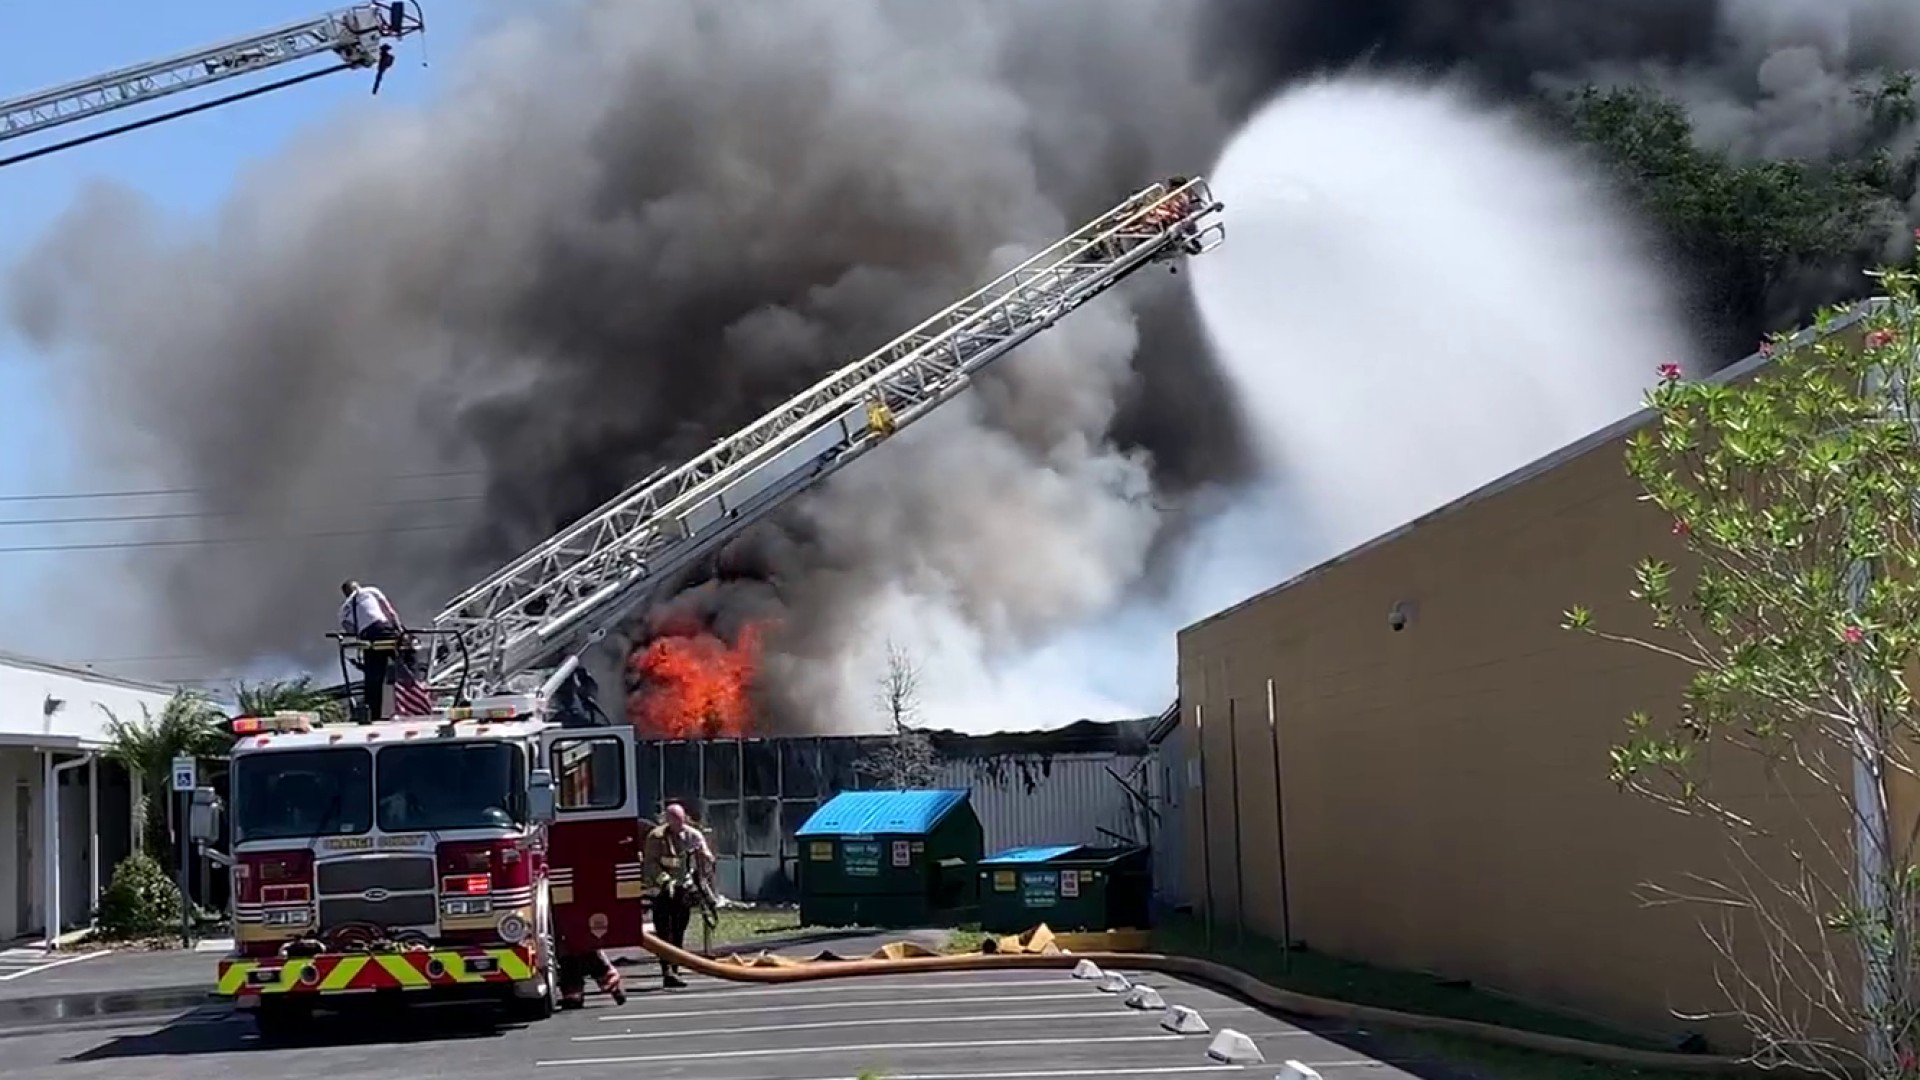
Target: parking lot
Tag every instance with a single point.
(975, 1026)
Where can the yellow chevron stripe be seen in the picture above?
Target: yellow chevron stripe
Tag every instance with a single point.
(402, 971)
(343, 974)
(235, 976)
(512, 964)
(290, 973)
(456, 966)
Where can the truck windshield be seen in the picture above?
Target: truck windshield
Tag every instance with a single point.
(298, 793)
(451, 785)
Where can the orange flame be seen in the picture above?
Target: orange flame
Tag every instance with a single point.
(695, 686)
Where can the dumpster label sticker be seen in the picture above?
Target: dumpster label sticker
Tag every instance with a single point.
(1003, 881)
(860, 858)
(902, 853)
(1070, 884)
(820, 851)
(1039, 888)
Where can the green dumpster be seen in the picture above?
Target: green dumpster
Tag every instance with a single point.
(1068, 886)
(892, 859)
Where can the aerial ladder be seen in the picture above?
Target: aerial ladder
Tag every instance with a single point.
(525, 627)
(357, 37)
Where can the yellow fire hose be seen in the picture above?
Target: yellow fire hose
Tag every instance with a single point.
(1238, 982)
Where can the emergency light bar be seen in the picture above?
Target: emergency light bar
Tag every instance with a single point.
(278, 723)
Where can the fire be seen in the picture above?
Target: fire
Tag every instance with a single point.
(694, 685)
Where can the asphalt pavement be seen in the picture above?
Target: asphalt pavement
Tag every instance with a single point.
(975, 1026)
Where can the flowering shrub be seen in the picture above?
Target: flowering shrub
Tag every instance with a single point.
(1797, 617)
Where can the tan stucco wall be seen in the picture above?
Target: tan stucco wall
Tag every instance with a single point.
(1445, 790)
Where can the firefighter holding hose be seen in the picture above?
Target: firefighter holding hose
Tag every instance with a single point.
(678, 868)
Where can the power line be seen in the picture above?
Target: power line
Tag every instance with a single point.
(134, 493)
(213, 540)
(192, 515)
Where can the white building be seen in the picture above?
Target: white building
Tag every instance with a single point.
(53, 728)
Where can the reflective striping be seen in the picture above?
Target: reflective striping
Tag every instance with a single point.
(344, 972)
(562, 894)
(513, 963)
(401, 967)
(337, 973)
(629, 890)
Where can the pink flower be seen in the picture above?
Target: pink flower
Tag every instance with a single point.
(1879, 339)
(1669, 372)
(1766, 348)
(1681, 528)
(1854, 635)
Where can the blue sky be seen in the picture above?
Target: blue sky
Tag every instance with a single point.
(185, 167)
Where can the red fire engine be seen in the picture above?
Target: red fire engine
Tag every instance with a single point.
(461, 855)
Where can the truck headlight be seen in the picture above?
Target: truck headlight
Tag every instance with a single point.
(290, 917)
(464, 906)
(512, 929)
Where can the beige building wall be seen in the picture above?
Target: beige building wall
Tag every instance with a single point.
(1444, 788)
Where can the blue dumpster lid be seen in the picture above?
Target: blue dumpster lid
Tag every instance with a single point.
(871, 813)
(1037, 854)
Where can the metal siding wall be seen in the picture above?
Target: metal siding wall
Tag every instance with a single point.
(1167, 780)
(1066, 799)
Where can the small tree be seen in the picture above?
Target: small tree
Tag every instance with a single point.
(189, 724)
(907, 759)
(1798, 617)
(287, 695)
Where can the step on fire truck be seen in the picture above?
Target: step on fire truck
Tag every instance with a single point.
(484, 848)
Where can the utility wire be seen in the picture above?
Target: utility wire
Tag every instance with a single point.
(127, 494)
(196, 515)
(212, 540)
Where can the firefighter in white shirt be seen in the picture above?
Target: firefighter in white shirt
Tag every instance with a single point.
(368, 615)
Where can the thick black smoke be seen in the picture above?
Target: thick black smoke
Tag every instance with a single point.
(627, 230)
(630, 227)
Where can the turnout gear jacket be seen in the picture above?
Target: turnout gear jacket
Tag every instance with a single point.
(676, 858)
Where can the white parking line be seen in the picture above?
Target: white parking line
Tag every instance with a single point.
(1058, 1073)
(1080, 995)
(51, 964)
(825, 1025)
(865, 1048)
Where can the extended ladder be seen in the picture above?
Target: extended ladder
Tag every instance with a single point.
(353, 35)
(598, 571)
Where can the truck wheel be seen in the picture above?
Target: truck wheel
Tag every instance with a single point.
(282, 1021)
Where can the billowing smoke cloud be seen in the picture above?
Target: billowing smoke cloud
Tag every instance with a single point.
(626, 231)
(629, 228)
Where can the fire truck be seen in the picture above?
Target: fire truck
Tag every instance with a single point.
(478, 850)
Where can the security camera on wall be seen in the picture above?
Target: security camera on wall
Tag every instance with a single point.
(1400, 617)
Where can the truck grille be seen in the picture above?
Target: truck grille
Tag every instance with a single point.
(394, 873)
(393, 912)
(387, 891)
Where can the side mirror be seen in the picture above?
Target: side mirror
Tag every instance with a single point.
(203, 816)
(540, 803)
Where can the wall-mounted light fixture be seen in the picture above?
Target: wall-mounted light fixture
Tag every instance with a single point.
(1400, 616)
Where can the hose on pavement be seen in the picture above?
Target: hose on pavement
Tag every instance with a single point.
(1222, 977)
